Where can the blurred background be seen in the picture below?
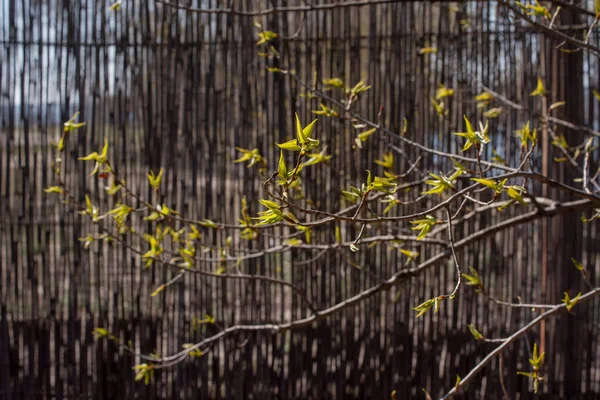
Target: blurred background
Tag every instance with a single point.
(179, 90)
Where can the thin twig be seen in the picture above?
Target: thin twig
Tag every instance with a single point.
(551, 312)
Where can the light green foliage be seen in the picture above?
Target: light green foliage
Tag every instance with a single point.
(116, 6)
(326, 111)
(91, 210)
(474, 279)
(442, 91)
(144, 372)
(540, 90)
(424, 226)
(316, 158)
(362, 137)
(71, 125)
(496, 186)
(334, 82)
(53, 189)
(516, 193)
(282, 171)
(155, 179)
(441, 183)
(120, 214)
(410, 255)
(249, 233)
(155, 249)
(303, 141)
(113, 189)
(535, 9)
(68, 126)
(429, 304)
(391, 202)
(440, 108)
(197, 322)
(387, 161)
(483, 99)
(536, 362)
(102, 333)
(428, 50)
(526, 135)
(493, 112)
(379, 184)
(253, 156)
(266, 37)
(100, 159)
(272, 215)
(207, 223)
(476, 334)
(570, 302)
(579, 266)
(307, 232)
(197, 353)
(473, 137)
(359, 88)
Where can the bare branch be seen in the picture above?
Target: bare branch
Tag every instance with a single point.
(551, 312)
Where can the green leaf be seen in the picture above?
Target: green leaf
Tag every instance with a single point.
(271, 205)
(440, 108)
(250, 155)
(428, 50)
(155, 179)
(207, 223)
(53, 189)
(328, 112)
(387, 160)
(158, 290)
(470, 131)
(71, 125)
(282, 169)
(570, 302)
(476, 334)
(577, 264)
(427, 305)
(474, 279)
(290, 145)
(423, 225)
(316, 158)
(440, 184)
(364, 135)
(536, 360)
(515, 193)
(493, 112)
(265, 37)
(300, 136)
(411, 255)
(335, 82)
(116, 6)
(90, 157)
(307, 131)
(144, 371)
(540, 90)
(443, 91)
